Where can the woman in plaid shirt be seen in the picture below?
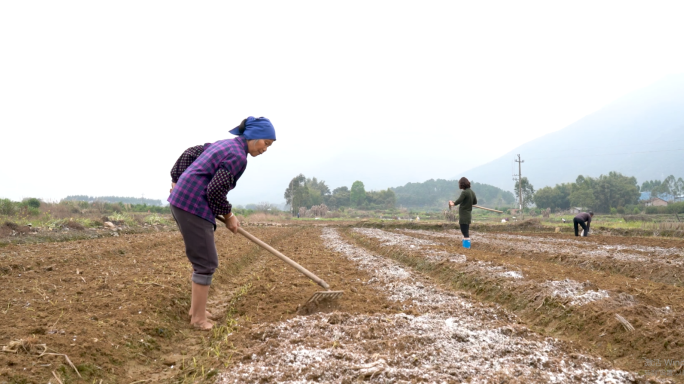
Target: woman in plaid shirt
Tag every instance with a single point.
(200, 181)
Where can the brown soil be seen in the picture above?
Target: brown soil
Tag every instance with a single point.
(9, 229)
(117, 306)
(655, 309)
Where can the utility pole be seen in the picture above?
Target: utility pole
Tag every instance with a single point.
(519, 175)
(293, 197)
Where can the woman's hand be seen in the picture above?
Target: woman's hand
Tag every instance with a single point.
(451, 203)
(173, 185)
(232, 223)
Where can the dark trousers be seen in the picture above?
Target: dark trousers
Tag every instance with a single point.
(465, 229)
(198, 236)
(577, 222)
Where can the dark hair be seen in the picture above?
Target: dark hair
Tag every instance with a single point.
(242, 126)
(591, 213)
(463, 183)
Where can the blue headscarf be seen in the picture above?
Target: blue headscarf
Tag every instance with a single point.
(255, 128)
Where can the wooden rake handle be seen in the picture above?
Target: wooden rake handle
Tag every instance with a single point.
(486, 209)
(279, 255)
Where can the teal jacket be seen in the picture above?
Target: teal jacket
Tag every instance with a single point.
(465, 203)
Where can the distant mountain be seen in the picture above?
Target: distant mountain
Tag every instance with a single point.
(640, 134)
(114, 199)
(434, 194)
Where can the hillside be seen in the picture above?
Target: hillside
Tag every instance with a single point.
(115, 199)
(640, 134)
(434, 194)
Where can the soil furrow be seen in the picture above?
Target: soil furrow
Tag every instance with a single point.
(447, 339)
(658, 264)
(557, 300)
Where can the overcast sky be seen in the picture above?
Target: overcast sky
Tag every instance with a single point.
(100, 98)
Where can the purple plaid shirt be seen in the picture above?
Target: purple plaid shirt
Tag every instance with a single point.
(209, 174)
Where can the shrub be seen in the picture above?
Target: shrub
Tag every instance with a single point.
(621, 210)
(333, 215)
(669, 209)
(32, 202)
(7, 207)
(613, 211)
(156, 219)
(636, 211)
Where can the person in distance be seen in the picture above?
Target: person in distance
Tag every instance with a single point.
(582, 219)
(465, 209)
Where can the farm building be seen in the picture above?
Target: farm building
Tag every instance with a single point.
(656, 202)
(647, 197)
(578, 209)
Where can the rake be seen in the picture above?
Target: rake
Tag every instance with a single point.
(318, 296)
(486, 209)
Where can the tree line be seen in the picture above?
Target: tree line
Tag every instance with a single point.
(605, 193)
(307, 192)
(670, 188)
(434, 194)
(114, 199)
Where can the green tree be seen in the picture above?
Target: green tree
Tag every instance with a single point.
(339, 198)
(546, 197)
(679, 189)
(433, 194)
(358, 194)
(615, 190)
(667, 187)
(296, 193)
(314, 184)
(527, 192)
(381, 199)
(7, 207)
(582, 197)
(315, 198)
(563, 198)
(649, 185)
(557, 197)
(32, 202)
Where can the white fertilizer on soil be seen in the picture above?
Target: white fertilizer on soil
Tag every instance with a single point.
(407, 242)
(453, 340)
(538, 244)
(575, 291)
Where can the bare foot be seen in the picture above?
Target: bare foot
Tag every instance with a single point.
(207, 314)
(205, 325)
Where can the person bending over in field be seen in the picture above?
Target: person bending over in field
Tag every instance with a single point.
(465, 203)
(200, 181)
(584, 220)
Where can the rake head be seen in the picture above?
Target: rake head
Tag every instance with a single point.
(324, 295)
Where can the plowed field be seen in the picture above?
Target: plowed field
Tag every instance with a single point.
(417, 307)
